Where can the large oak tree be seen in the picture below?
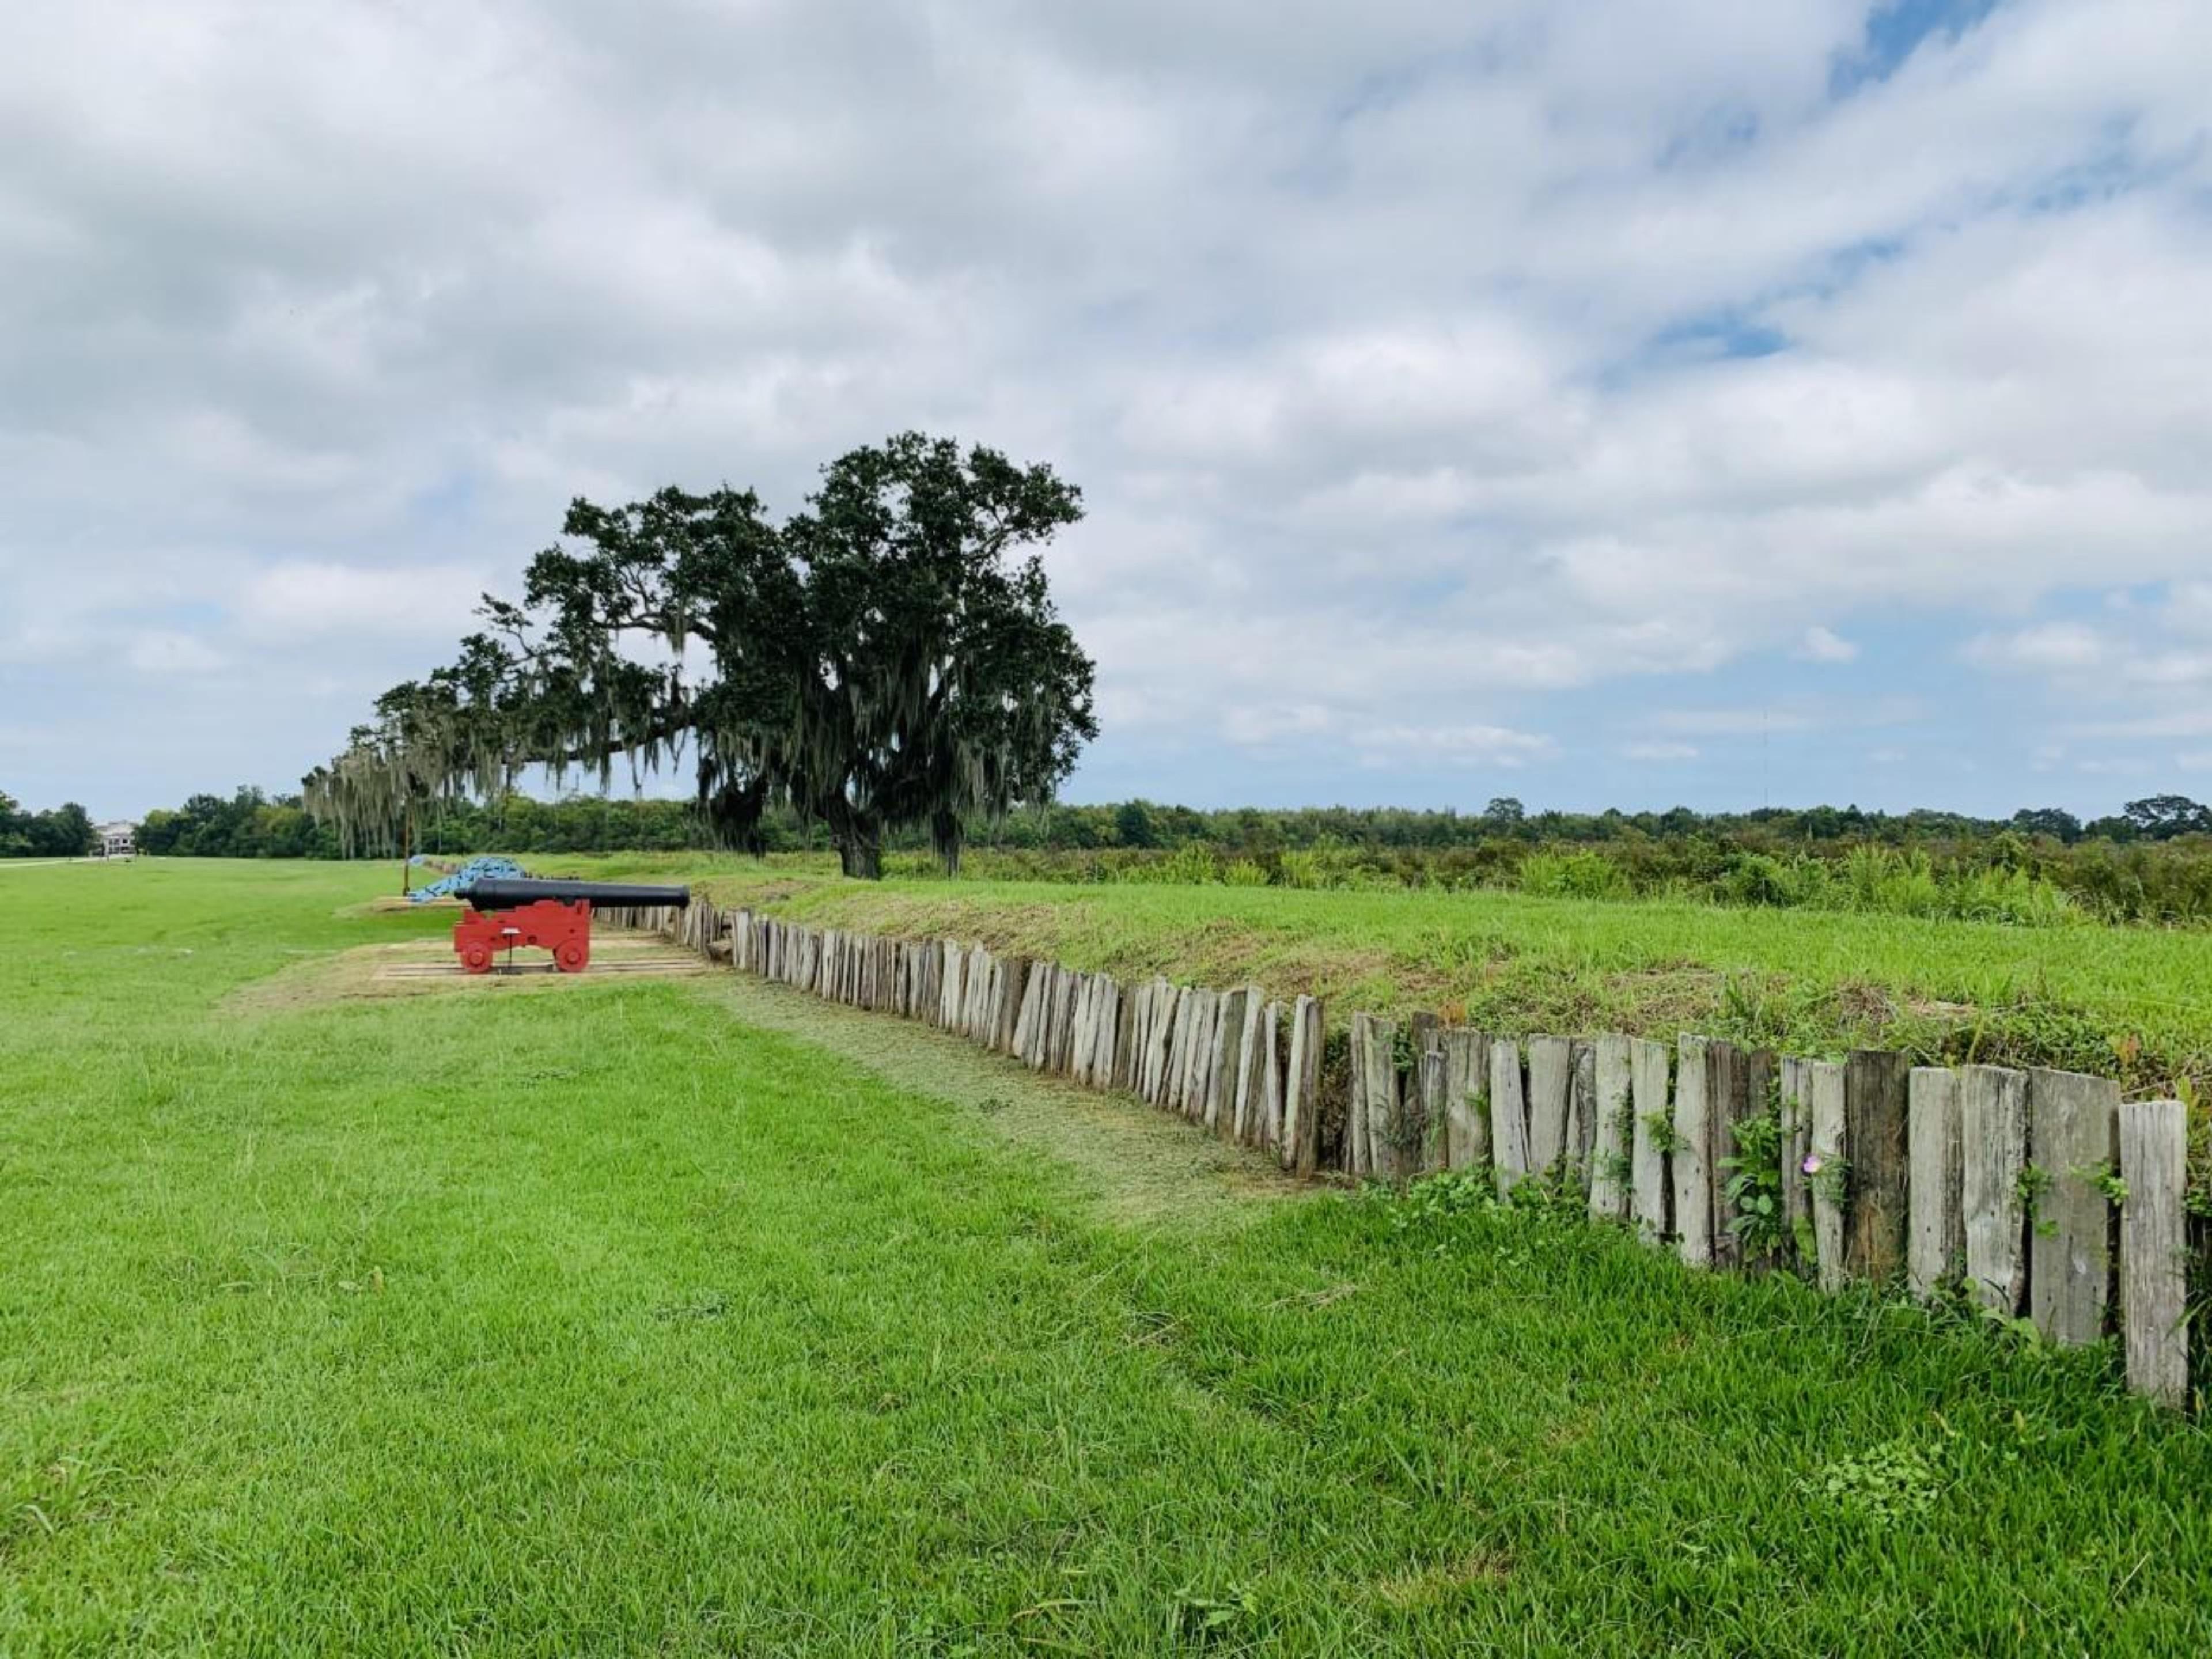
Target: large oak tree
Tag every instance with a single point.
(888, 657)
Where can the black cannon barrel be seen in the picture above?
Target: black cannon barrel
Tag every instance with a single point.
(496, 893)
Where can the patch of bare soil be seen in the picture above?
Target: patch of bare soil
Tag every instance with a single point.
(429, 967)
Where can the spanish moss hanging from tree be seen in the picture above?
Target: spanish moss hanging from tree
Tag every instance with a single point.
(888, 659)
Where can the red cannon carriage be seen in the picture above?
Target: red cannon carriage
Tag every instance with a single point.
(544, 915)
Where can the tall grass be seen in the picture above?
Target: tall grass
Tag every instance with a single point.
(1866, 880)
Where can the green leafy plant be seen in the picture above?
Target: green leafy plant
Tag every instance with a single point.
(1202, 1618)
(1754, 1187)
(1663, 1133)
(1439, 1196)
(1617, 1168)
(2032, 1183)
(1893, 1481)
(2105, 1179)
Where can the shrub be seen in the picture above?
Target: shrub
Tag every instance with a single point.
(1583, 874)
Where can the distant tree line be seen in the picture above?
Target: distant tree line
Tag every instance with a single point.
(1143, 823)
(254, 824)
(63, 832)
(2151, 861)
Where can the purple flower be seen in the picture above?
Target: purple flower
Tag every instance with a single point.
(1811, 1164)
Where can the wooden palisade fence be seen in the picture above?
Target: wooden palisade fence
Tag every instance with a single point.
(2039, 1192)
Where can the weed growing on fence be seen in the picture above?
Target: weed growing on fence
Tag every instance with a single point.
(2033, 1182)
(1755, 1187)
(1617, 1168)
(2106, 1178)
(1664, 1136)
(1828, 1176)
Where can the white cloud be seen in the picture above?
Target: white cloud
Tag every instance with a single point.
(1820, 645)
(2169, 667)
(1447, 746)
(1659, 751)
(2046, 646)
(305, 599)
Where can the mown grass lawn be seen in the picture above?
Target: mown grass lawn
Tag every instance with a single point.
(684, 1318)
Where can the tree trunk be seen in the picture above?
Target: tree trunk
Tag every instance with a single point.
(945, 835)
(861, 848)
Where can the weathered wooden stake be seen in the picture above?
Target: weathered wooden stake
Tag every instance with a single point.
(1272, 1092)
(1430, 1071)
(1727, 1099)
(1551, 1080)
(1829, 1178)
(1240, 1010)
(1356, 1139)
(1509, 1115)
(1176, 1073)
(1795, 1141)
(1935, 1224)
(2153, 1242)
(1389, 1155)
(1302, 1089)
(1167, 1033)
(1245, 1084)
(1651, 1132)
(1205, 1030)
(1612, 1115)
(1875, 1106)
(2071, 1126)
(1993, 1152)
(1013, 993)
(1693, 1153)
(1466, 1099)
(1248, 1094)
(1581, 1114)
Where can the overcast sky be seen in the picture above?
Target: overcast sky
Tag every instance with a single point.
(1601, 404)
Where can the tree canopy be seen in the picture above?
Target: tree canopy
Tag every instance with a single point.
(64, 832)
(889, 657)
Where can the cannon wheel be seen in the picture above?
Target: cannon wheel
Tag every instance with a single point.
(571, 956)
(475, 958)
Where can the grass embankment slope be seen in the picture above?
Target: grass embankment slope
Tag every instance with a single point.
(604, 1318)
(2135, 1003)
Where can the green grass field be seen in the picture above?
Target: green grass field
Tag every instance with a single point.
(693, 1317)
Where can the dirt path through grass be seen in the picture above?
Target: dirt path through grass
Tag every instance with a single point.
(1138, 1164)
